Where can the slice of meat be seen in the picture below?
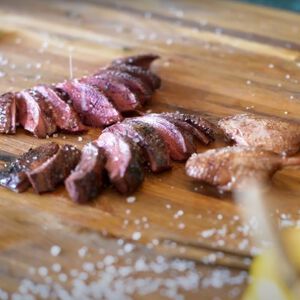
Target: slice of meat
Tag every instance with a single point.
(87, 180)
(64, 115)
(47, 176)
(199, 122)
(8, 113)
(145, 75)
(93, 107)
(121, 96)
(231, 168)
(14, 175)
(142, 60)
(269, 133)
(155, 150)
(124, 162)
(180, 144)
(34, 113)
(137, 86)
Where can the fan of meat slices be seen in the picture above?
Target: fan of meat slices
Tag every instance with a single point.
(121, 154)
(98, 100)
(262, 148)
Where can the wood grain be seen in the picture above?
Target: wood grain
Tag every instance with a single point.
(217, 57)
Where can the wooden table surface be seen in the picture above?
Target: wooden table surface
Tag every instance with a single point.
(217, 57)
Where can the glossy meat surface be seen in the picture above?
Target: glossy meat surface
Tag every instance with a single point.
(142, 60)
(8, 113)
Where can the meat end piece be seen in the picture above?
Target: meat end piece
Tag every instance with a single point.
(8, 113)
(14, 176)
(121, 96)
(231, 168)
(269, 133)
(154, 148)
(124, 162)
(180, 143)
(87, 180)
(64, 115)
(34, 114)
(93, 107)
(143, 74)
(142, 60)
(136, 85)
(47, 176)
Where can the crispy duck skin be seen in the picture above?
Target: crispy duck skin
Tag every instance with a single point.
(231, 168)
(121, 96)
(63, 114)
(142, 60)
(124, 162)
(269, 133)
(87, 180)
(8, 113)
(137, 86)
(93, 107)
(14, 176)
(143, 74)
(47, 176)
(154, 148)
(34, 114)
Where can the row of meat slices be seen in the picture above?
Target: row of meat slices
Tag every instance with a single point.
(263, 145)
(98, 100)
(120, 154)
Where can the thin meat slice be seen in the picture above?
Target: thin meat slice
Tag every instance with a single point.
(51, 173)
(136, 85)
(155, 149)
(142, 60)
(269, 133)
(232, 168)
(14, 176)
(145, 75)
(124, 162)
(8, 113)
(93, 107)
(34, 113)
(87, 180)
(64, 115)
(180, 143)
(121, 96)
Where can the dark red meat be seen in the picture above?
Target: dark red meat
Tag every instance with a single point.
(8, 113)
(121, 96)
(47, 176)
(124, 161)
(93, 106)
(142, 60)
(14, 175)
(64, 115)
(87, 180)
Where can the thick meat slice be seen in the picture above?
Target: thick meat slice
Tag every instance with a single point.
(180, 143)
(14, 175)
(231, 168)
(124, 162)
(47, 176)
(8, 113)
(64, 115)
(200, 123)
(137, 86)
(34, 114)
(122, 97)
(142, 60)
(145, 75)
(269, 133)
(155, 149)
(92, 106)
(87, 180)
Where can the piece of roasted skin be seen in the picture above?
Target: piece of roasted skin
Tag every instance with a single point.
(231, 168)
(269, 133)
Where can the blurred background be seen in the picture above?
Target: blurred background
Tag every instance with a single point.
(293, 5)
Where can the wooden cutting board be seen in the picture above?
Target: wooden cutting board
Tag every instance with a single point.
(217, 57)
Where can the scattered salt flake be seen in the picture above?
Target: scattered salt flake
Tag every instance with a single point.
(248, 82)
(136, 236)
(82, 251)
(128, 247)
(271, 66)
(208, 233)
(56, 267)
(80, 139)
(63, 277)
(181, 225)
(55, 250)
(287, 76)
(43, 271)
(131, 199)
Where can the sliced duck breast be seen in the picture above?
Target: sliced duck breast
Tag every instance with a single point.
(142, 60)
(8, 113)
